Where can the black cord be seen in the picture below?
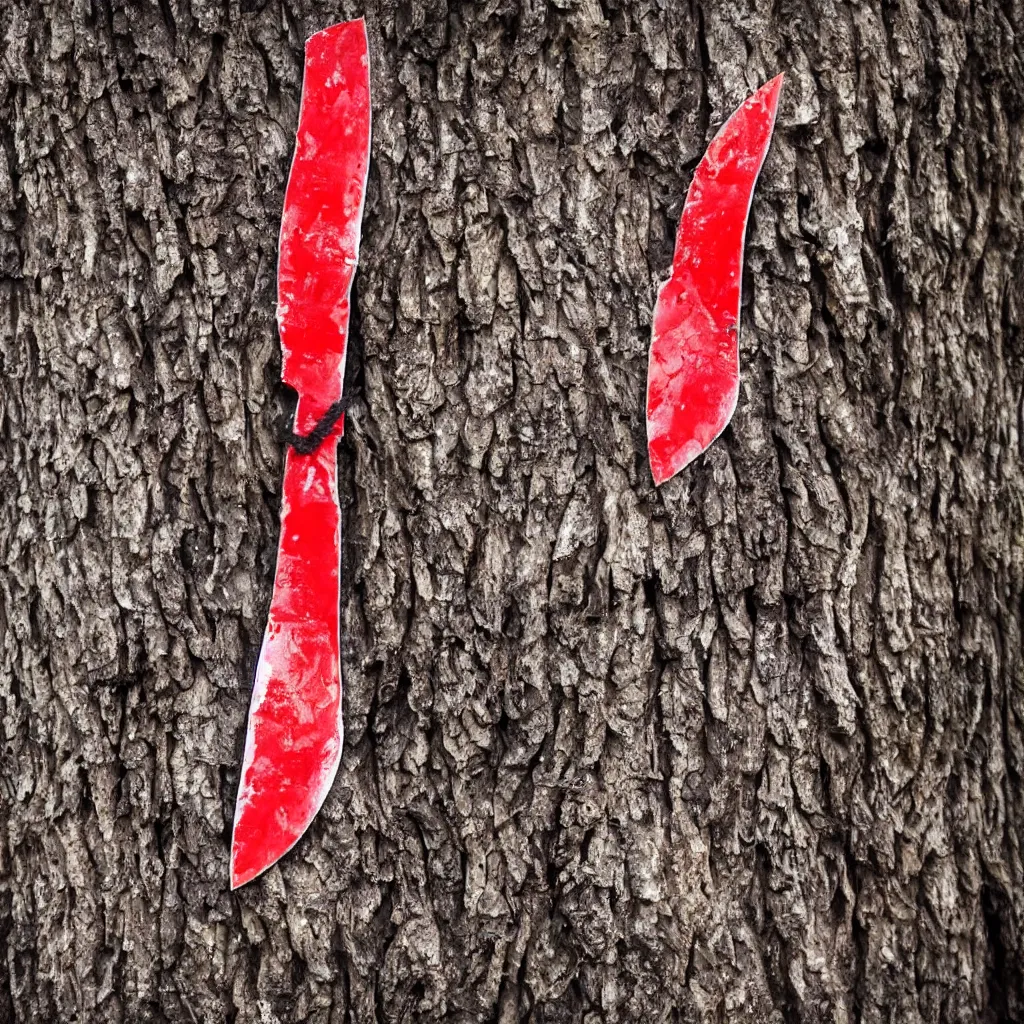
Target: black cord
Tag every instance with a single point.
(306, 445)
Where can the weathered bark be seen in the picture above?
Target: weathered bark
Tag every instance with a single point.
(748, 747)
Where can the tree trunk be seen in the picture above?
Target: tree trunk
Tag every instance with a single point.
(747, 747)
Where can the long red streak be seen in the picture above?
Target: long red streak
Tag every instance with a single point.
(294, 736)
(693, 373)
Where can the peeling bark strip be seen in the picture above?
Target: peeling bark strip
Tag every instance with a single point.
(295, 731)
(693, 376)
(745, 748)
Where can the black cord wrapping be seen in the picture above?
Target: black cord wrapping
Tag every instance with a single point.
(307, 444)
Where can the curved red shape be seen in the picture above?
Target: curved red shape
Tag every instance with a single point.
(693, 372)
(294, 735)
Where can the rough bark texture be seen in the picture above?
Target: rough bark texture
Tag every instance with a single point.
(747, 748)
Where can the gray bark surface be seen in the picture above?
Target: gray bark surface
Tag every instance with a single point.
(748, 747)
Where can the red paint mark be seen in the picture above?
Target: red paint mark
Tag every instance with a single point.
(294, 737)
(693, 373)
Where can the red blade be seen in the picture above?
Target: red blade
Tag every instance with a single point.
(693, 373)
(323, 209)
(294, 735)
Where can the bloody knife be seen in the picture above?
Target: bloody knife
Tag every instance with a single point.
(693, 375)
(294, 735)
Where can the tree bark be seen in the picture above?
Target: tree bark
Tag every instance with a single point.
(747, 747)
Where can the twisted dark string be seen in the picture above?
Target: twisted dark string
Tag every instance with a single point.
(308, 443)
